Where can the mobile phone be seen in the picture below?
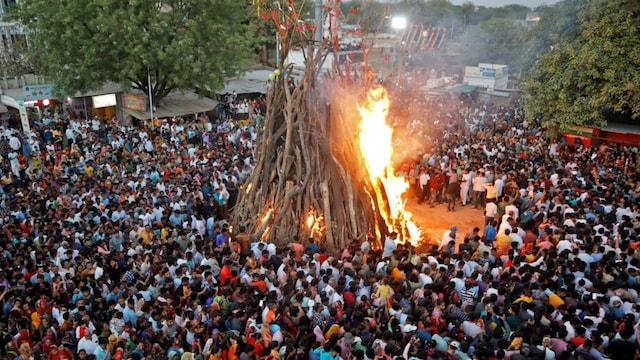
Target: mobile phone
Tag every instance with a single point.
(594, 296)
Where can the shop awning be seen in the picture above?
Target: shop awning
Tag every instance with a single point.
(254, 81)
(467, 88)
(176, 105)
(108, 88)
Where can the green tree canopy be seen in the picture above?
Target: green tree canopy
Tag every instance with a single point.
(182, 44)
(592, 69)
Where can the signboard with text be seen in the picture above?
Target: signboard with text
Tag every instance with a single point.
(38, 92)
(134, 102)
(488, 72)
(102, 101)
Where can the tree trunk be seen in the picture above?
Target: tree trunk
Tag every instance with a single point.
(309, 179)
(159, 88)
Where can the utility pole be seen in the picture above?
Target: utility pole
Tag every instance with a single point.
(150, 97)
(319, 22)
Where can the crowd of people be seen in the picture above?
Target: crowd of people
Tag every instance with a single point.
(116, 244)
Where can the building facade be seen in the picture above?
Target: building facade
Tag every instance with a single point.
(12, 37)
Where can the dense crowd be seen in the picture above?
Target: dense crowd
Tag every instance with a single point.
(116, 245)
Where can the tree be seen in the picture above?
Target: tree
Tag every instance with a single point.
(370, 15)
(558, 24)
(497, 41)
(262, 36)
(580, 78)
(466, 9)
(178, 44)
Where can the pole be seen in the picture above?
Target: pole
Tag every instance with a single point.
(84, 104)
(319, 30)
(276, 5)
(277, 48)
(451, 37)
(150, 97)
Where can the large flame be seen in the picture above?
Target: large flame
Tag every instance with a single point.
(377, 149)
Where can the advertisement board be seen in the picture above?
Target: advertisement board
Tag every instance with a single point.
(134, 102)
(37, 92)
(102, 101)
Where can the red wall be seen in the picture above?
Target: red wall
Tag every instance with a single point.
(619, 137)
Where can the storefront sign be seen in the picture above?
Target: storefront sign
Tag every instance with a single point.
(82, 105)
(134, 102)
(37, 92)
(103, 101)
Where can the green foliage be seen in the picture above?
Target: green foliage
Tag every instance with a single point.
(514, 12)
(497, 41)
(261, 34)
(592, 69)
(558, 23)
(183, 44)
(368, 14)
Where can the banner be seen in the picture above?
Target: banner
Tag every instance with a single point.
(37, 92)
(134, 102)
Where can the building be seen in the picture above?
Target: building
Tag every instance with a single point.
(487, 76)
(533, 18)
(11, 33)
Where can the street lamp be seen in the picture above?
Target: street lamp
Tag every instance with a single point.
(398, 23)
(150, 97)
(276, 4)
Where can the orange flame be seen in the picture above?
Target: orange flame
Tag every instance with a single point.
(311, 220)
(376, 148)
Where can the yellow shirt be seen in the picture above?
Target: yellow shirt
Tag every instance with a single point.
(164, 234)
(384, 291)
(146, 236)
(555, 300)
(503, 240)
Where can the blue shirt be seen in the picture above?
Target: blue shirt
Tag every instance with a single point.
(129, 316)
(101, 354)
(490, 233)
(222, 239)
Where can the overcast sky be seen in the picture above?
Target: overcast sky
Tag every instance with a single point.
(498, 3)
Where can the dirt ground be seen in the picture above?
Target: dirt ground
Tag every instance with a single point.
(435, 221)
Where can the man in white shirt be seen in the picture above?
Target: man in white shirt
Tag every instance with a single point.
(89, 342)
(451, 234)
(499, 184)
(516, 238)
(512, 210)
(14, 143)
(423, 184)
(465, 183)
(490, 212)
(390, 245)
(478, 189)
(505, 224)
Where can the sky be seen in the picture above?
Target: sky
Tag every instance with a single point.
(500, 3)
